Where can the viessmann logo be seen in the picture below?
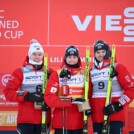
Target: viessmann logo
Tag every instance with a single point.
(112, 23)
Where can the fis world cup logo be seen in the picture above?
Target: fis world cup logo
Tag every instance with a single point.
(9, 28)
(123, 23)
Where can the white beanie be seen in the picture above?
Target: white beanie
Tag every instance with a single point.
(35, 46)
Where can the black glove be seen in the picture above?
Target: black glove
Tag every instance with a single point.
(65, 73)
(35, 97)
(88, 112)
(77, 100)
(112, 108)
(45, 107)
(113, 73)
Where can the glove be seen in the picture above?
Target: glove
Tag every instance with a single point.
(112, 108)
(35, 97)
(77, 100)
(113, 73)
(88, 112)
(65, 73)
(45, 107)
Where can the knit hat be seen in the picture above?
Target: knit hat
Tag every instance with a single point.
(35, 46)
(101, 45)
(71, 50)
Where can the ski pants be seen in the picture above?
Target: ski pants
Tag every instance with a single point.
(25, 128)
(115, 127)
(60, 131)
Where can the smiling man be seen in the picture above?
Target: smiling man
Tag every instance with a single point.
(121, 93)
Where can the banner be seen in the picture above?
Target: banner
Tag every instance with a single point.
(57, 25)
(8, 118)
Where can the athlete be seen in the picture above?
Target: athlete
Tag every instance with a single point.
(122, 91)
(65, 92)
(25, 87)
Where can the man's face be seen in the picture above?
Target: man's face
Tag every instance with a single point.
(99, 55)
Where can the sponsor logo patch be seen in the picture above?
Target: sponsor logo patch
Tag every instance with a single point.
(53, 90)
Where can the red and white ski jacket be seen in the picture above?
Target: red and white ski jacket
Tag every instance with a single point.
(122, 91)
(26, 79)
(71, 119)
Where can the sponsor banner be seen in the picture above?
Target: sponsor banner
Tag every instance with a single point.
(88, 21)
(8, 118)
(57, 25)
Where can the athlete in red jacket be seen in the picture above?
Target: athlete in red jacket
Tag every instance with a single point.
(64, 91)
(121, 95)
(25, 87)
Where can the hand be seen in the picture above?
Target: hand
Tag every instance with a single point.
(65, 73)
(45, 107)
(77, 100)
(113, 73)
(112, 108)
(35, 97)
(88, 112)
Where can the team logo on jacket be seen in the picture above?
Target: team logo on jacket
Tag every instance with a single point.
(127, 78)
(53, 90)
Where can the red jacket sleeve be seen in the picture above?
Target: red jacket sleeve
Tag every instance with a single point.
(127, 83)
(51, 93)
(13, 85)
